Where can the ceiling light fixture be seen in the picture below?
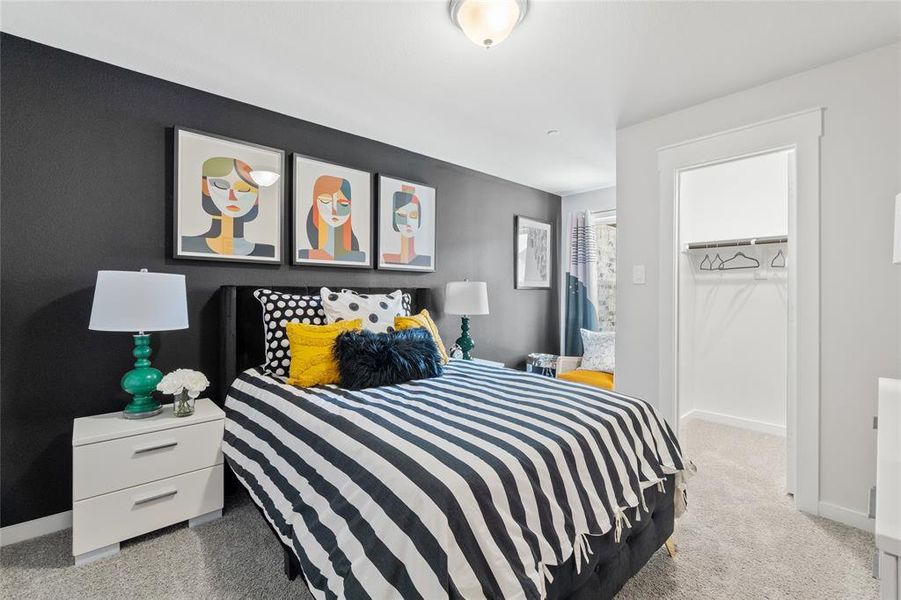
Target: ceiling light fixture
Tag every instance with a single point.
(487, 22)
(553, 132)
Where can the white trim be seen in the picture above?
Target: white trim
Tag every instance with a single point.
(741, 423)
(815, 109)
(849, 517)
(801, 132)
(13, 534)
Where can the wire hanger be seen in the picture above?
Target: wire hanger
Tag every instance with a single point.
(781, 263)
(714, 266)
(739, 254)
(707, 260)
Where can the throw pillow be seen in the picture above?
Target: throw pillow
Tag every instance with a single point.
(312, 360)
(377, 311)
(279, 309)
(423, 320)
(598, 351)
(366, 359)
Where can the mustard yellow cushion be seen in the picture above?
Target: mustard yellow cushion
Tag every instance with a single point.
(596, 378)
(312, 362)
(424, 320)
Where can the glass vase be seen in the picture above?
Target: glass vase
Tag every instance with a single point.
(183, 404)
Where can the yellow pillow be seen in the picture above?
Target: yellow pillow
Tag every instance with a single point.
(312, 362)
(424, 320)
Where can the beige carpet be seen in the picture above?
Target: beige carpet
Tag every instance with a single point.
(741, 536)
(740, 539)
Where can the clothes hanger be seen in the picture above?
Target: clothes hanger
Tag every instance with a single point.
(781, 263)
(706, 259)
(713, 264)
(738, 255)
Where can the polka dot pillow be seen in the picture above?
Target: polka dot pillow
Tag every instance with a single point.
(406, 303)
(279, 309)
(376, 310)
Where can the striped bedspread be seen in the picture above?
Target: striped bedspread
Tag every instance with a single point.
(469, 485)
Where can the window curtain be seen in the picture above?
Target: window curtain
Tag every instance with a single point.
(581, 282)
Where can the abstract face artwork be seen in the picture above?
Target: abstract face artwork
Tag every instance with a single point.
(332, 208)
(228, 215)
(407, 225)
(533, 253)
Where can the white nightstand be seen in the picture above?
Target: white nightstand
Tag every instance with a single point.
(130, 477)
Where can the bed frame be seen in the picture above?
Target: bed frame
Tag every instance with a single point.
(612, 563)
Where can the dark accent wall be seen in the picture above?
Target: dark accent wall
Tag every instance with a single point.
(86, 161)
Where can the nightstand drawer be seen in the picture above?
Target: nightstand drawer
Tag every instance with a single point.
(110, 518)
(117, 464)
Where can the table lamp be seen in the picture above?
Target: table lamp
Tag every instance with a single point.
(141, 302)
(466, 298)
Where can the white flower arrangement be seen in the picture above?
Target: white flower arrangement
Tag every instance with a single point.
(183, 380)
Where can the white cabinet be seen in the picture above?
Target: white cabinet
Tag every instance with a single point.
(130, 477)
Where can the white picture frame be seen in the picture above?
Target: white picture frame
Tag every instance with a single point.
(533, 254)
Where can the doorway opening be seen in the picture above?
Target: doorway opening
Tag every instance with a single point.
(732, 298)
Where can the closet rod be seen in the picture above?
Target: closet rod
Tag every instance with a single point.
(734, 243)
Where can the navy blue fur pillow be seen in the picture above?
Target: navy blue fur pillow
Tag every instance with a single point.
(366, 359)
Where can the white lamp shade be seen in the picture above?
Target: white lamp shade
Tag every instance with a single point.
(897, 256)
(466, 298)
(139, 301)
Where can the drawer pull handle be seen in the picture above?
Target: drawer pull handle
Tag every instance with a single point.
(156, 446)
(155, 496)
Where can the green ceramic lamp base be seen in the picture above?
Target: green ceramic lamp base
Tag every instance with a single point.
(465, 342)
(141, 382)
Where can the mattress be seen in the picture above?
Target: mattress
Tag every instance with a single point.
(485, 482)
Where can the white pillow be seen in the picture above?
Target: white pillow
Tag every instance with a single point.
(598, 350)
(376, 310)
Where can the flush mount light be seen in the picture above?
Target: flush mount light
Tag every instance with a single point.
(487, 22)
(553, 132)
(264, 178)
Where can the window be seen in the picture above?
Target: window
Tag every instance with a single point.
(605, 232)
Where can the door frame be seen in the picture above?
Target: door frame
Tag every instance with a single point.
(800, 132)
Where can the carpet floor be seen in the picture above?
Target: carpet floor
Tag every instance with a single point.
(741, 538)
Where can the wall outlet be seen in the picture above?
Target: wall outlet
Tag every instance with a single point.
(638, 275)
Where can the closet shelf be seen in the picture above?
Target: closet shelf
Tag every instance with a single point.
(736, 243)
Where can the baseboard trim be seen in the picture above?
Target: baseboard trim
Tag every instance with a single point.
(846, 516)
(714, 417)
(13, 534)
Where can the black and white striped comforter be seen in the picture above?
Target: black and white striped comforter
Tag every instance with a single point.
(472, 483)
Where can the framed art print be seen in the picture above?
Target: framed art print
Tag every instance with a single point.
(228, 199)
(407, 224)
(332, 214)
(532, 238)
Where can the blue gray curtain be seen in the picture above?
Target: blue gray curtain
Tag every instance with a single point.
(581, 282)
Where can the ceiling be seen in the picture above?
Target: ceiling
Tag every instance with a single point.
(401, 73)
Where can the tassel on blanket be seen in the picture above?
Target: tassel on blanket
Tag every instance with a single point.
(661, 486)
(581, 549)
(620, 517)
(544, 579)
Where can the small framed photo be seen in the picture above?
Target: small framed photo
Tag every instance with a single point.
(228, 199)
(533, 244)
(407, 213)
(332, 216)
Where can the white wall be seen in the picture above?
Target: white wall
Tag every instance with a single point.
(859, 285)
(733, 326)
(594, 200)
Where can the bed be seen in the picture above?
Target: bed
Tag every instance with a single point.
(483, 483)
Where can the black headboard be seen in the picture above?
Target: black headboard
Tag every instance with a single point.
(241, 323)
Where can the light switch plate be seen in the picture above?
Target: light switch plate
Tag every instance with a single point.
(638, 275)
